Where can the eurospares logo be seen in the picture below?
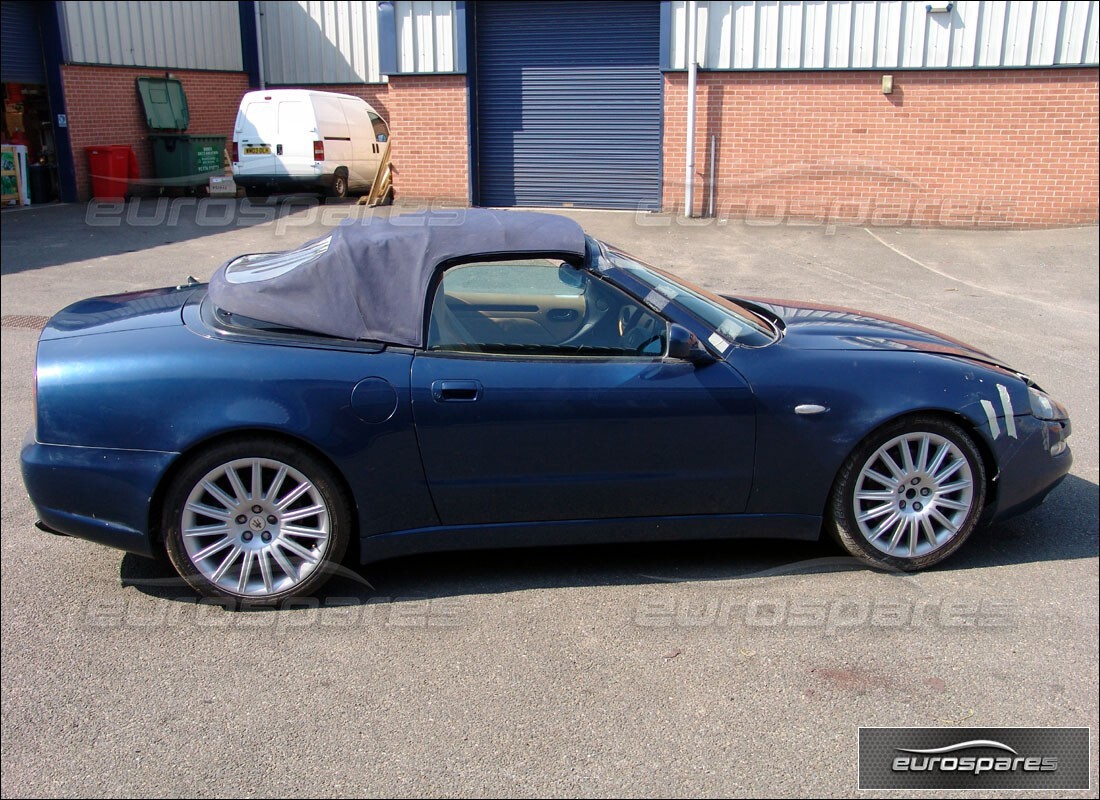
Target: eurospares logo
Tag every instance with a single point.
(974, 758)
(953, 758)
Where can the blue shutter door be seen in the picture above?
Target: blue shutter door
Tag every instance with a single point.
(569, 104)
(20, 46)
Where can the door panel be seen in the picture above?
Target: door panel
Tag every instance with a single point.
(519, 440)
(297, 132)
(365, 151)
(256, 132)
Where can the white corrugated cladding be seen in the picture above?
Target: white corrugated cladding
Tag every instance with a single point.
(427, 37)
(864, 34)
(338, 42)
(320, 42)
(205, 34)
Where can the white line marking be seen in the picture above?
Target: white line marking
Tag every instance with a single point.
(1014, 295)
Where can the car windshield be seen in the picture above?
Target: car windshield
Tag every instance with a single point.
(732, 323)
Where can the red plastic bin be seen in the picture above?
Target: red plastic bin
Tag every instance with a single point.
(111, 167)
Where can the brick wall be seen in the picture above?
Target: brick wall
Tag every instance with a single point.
(104, 108)
(428, 122)
(956, 148)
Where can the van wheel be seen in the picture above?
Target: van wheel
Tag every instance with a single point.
(339, 188)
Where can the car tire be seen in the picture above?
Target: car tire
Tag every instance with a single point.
(255, 521)
(909, 495)
(338, 190)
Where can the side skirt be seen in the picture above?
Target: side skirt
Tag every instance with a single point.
(588, 531)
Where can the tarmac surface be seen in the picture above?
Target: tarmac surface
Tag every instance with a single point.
(738, 668)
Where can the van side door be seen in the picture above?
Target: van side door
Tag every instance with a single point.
(364, 153)
(332, 129)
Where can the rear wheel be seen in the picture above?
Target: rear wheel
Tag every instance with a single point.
(910, 495)
(339, 188)
(255, 520)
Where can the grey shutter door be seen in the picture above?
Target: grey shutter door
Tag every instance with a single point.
(569, 104)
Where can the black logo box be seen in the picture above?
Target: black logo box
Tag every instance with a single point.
(990, 758)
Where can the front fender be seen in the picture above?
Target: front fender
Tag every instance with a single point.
(799, 455)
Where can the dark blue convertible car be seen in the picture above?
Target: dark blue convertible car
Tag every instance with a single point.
(473, 379)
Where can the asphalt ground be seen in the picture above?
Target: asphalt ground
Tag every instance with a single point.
(737, 668)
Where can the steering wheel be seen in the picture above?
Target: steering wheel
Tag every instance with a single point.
(626, 319)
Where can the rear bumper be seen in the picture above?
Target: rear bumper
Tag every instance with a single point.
(284, 183)
(97, 494)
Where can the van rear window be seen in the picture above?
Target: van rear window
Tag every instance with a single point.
(259, 120)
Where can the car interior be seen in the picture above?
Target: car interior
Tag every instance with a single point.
(540, 308)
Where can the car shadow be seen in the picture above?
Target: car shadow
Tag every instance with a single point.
(1063, 528)
(98, 230)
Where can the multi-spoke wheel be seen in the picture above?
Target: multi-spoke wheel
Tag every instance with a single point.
(255, 520)
(910, 495)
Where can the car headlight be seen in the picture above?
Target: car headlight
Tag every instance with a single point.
(1044, 406)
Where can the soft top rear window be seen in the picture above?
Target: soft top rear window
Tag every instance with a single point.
(264, 266)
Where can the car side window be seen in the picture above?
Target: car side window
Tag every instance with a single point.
(540, 307)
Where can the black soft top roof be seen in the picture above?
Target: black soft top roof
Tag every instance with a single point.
(368, 278)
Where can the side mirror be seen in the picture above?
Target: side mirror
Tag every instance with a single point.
(685, 345)
(382, 137)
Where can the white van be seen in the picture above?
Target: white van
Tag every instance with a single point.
(302, 140)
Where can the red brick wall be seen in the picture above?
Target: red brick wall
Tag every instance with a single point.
(428, 122)
(956, 148)
(104, 108)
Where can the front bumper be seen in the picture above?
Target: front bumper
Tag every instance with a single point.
(1031, 465)
(98, 494)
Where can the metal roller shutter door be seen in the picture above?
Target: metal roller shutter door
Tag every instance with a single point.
(569, 104)
(21, 49)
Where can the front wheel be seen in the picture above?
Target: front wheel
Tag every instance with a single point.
(910, 495)
(256, 521)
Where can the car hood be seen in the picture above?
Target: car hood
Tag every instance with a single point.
(810, 326)
(156, 308)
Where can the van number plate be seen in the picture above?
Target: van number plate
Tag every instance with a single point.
(259, 150)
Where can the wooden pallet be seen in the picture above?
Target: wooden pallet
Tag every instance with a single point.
(382, 183)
